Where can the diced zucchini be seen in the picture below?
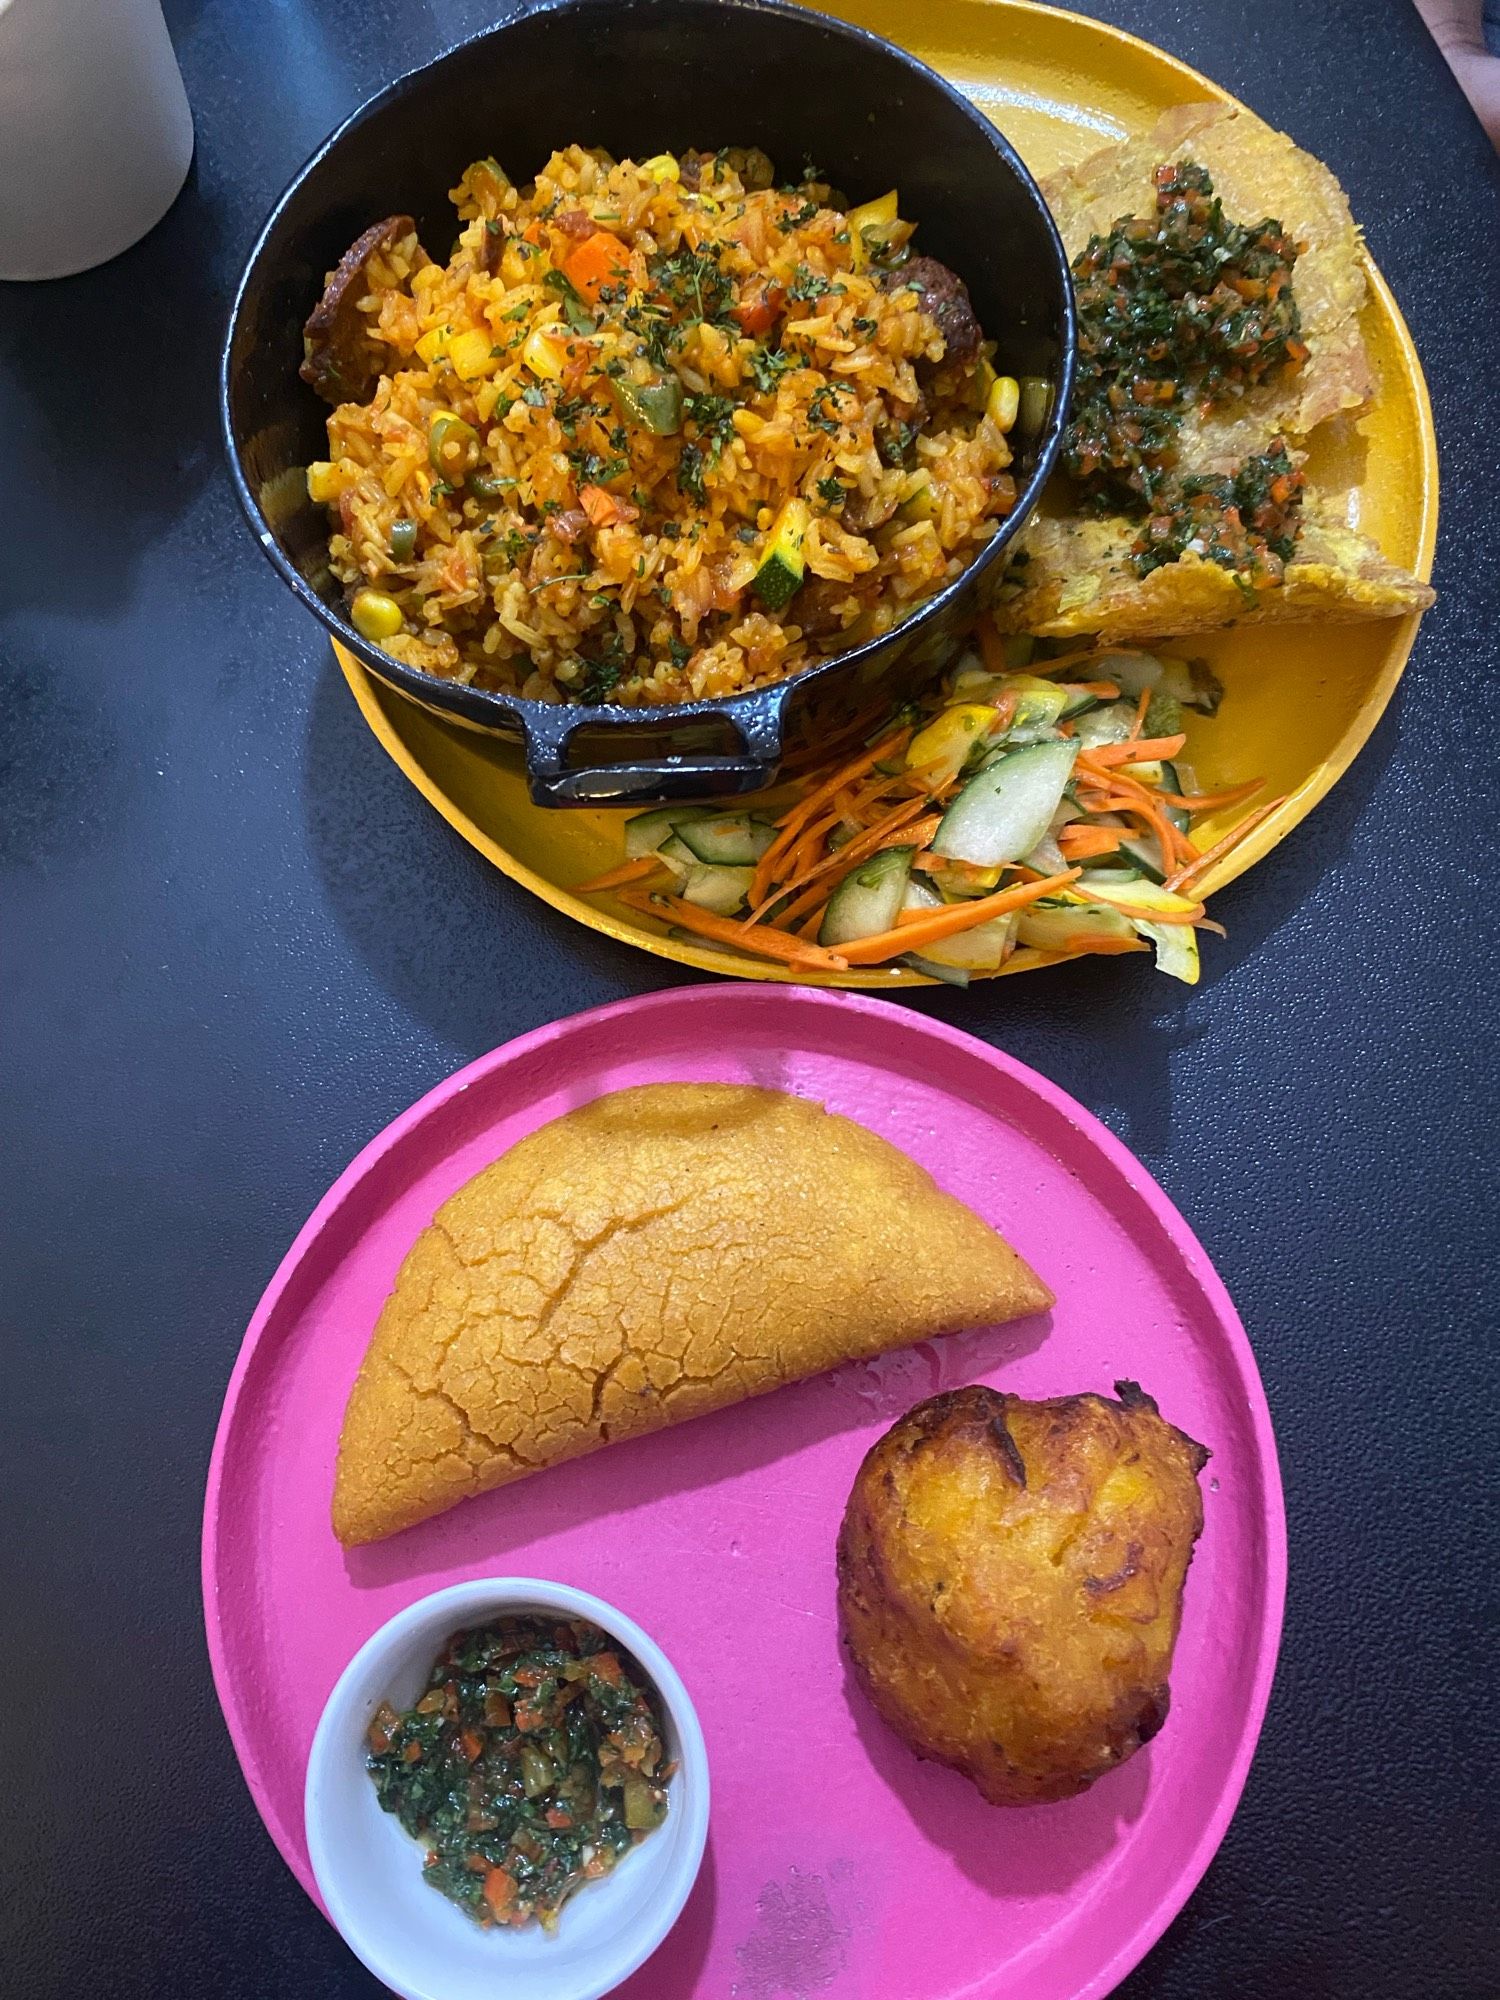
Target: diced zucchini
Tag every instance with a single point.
(1143, 856)
(1118, 887)
(1040, 706)
(721, 890)
(868, 900)
(1049, 926)
(1189, 682)
(781, 567)
(1078, 700)
(941, 750)
(732, 840)
(1176, 944)
(1005, 809)
(1172, 781)
(985, 948)
(1035, 404)
(1047, 857)
(930, 968)
(645, 832)
(1176, 949)
(677, 854)
(1110, 724)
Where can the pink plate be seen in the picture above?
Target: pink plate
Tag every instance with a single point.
(838, 1866)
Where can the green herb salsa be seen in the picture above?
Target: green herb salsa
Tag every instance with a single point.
(1177, 308)
(531, 1763)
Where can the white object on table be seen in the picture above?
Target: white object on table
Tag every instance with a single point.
(95, 131)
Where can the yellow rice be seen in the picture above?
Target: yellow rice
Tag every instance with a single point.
(653, 600)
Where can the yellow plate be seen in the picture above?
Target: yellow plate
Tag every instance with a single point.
(1299, 703)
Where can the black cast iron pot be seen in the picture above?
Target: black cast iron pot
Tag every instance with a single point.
(642, 77)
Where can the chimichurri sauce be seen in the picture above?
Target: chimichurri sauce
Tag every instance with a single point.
(532, 1762)
(1178, 309)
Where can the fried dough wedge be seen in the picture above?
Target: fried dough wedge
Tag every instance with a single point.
(1078, 579)
(658, 1253)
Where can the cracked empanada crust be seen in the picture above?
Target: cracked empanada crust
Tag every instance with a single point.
(656, 1254)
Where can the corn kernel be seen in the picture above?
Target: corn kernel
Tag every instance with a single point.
(375, 615)
(432, 345)
(662, 168)
(875, 216)
(469, 354)
(325, 483)
(1003, 401)
(542, 354)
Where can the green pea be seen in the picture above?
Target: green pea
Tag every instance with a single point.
(403, 540)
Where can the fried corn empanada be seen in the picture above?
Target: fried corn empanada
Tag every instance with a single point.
(658, 1253)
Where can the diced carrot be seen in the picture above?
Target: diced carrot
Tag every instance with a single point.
(605, 509)
(527, 1718)
(499, 1891)
(934, 925)
(606, 1667)
(599, 260)
(555, 1816)
(759, 314)
(471, 1743)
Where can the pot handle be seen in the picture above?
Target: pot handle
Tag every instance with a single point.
(675, 777)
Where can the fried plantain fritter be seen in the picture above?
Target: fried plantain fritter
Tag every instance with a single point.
(1010, 1582)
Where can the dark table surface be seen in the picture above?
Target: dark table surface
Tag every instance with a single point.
(236, 943)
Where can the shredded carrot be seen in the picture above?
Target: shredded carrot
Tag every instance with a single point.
(616, 878)
(992, 648)
(933, 925)
(797, 817)
(1078, 841)
(860, 848)
(1144, 749)
(1231, 840)
(760, 938)
(1105, 690)
(1198, 802)
(919, 834)
(1140, 714)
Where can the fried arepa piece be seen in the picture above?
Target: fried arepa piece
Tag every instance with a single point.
(1078, 579)
(1010, 1582)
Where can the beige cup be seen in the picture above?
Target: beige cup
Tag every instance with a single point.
(95, 131)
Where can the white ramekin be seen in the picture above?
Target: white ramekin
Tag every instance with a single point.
(369, 1871)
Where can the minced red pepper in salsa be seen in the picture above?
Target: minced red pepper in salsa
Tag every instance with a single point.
(1180, 308)
(531, 1764)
